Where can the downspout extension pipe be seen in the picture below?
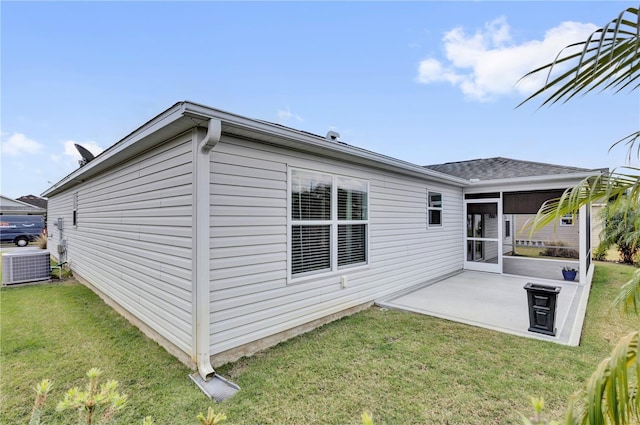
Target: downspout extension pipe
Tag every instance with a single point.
(204, 145)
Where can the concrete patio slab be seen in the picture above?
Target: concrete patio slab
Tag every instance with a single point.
(497, 302)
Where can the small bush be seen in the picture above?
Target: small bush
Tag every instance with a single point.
(600, 254)
(98, 403)
(61, 271)
(557, 249)
(41, 241)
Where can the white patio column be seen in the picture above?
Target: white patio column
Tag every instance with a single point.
(585, 242)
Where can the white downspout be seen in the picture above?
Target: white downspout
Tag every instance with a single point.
(584, 248)
(203, 142)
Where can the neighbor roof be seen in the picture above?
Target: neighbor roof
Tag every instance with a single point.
(503, 168)
(12, 206)
(36, 201)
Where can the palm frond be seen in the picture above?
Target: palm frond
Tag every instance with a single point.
(609, 59)
(630, 141)
(610, 396)
(597, 188)
(628, 297)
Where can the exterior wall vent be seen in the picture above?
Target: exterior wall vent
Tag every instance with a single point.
(30, 266)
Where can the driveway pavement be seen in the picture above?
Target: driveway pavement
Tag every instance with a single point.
(4, 248)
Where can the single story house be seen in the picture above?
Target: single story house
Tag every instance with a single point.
(220, 235)
(9, 206)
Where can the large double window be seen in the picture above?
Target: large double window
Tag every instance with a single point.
(329, 222)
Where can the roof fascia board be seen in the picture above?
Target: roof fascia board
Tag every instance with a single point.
(261, 130)
(293, 138)
(233, 124)
(114, 154)
(552, 181)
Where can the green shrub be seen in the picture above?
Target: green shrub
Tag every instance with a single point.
(557, 249)
(600, 254)
(42, 391)
(98, 403)
(537, 419)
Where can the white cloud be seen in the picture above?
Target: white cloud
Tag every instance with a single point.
(18, 144)
(285, 115)
(487, 64)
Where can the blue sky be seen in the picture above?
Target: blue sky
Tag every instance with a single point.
(426, 82)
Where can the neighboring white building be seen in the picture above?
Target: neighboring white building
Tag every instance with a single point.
(219, 235)
(9, 206)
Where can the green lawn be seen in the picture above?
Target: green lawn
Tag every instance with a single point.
(403, 368)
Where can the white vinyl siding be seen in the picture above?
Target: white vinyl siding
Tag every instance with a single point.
(508, 239)
(553, 232)
(60, 206)
(133, 238)
(491, 224)
(250, 295)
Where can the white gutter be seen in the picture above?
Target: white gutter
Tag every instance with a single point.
(185, 115)
(290, 137)
(550, 178)
(112, 155)
(202, 145)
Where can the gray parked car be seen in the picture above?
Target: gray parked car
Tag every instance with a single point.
(20, 229)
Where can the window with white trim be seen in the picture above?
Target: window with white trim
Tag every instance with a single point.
(329, 222)
(434, 209)
(566, 220)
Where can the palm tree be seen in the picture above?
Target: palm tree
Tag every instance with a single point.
(609, 60)
(621, 229)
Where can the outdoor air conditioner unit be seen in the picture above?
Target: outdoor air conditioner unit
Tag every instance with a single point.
(29, 266)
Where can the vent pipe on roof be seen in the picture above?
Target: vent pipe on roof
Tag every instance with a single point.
(333, 136)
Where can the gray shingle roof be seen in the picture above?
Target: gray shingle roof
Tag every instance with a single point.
(503, 168)
(36, 201)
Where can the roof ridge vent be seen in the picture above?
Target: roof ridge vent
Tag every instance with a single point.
(333, 136)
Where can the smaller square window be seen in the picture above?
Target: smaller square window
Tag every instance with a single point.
(434, 209)
(566, 220)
